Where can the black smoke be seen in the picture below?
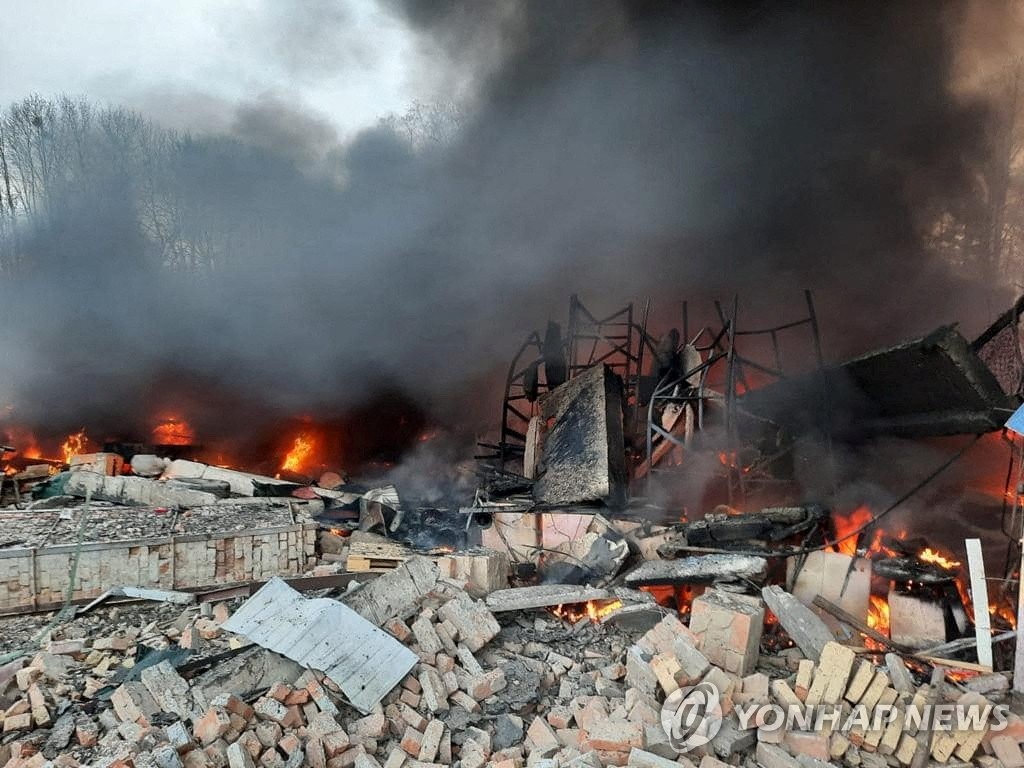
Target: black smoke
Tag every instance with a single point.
(615, 149)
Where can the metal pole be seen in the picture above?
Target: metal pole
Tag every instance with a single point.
(826, 400)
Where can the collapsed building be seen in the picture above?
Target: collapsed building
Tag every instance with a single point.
(641, 527)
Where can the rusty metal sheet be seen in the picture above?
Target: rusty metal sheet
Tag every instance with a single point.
(364, 660)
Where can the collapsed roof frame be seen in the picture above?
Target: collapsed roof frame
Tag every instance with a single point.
(617, 340)
(688, 388)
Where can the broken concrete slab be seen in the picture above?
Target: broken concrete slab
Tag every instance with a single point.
(135, 491)
(697, 570)
(951, 391)
(638, 617)
(397, 594)
(584, 458)
(593, 556)
(251, 670)
(801, 623)
(241, 483)
(543, 596)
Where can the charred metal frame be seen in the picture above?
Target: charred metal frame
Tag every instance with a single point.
(515, 418)
(689, 387)
(615, 340)
(619, 341)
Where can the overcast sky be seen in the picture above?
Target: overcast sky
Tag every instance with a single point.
(186, 62)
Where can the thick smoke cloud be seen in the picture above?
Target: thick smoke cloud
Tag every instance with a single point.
(640, 148)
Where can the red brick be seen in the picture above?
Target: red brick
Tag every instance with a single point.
(412, 741)
(335, 743)
(299, 696)
(808, 743)
(615, 736)
(559, 717)
(399, 629)
(214, 723)
(289, 743)
(279, 691)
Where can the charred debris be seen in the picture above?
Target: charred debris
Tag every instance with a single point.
(640, 526)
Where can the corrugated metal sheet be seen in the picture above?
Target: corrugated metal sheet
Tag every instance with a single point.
(364, 660)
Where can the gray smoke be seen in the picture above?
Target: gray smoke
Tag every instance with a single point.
(677, 150)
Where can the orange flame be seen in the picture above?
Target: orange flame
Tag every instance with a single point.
(74, 445)
(299, 455)
(730, 459)
(32, 451)
(878, 614)
(929, 555)
(173, 431)
(594, 610)
(1001, 610)
(845, 525)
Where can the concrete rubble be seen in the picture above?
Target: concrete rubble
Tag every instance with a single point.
(178, 614)
(520, 687)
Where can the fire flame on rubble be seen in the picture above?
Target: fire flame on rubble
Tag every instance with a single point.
(846, 539)
(594, 610)
(878, 614)
(74, 445)
(677, 596)
(173, 431)
(929, 555)
(298, 457)
(878, 607)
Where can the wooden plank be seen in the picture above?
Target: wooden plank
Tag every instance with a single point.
(356, 564)
(661, 450)
(857, 624)
(378, 546)
(979, 596)
(967, 666)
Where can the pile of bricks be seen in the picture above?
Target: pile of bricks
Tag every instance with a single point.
(528, 691)
(840, 681)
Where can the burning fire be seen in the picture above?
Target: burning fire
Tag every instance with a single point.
(731, 460)
(299, 456)
(74, 445)
(594, 610)
(845, 525)
(173, 431)
(878, 615)
(929, 555)
(677, 596)
(1005, 612)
